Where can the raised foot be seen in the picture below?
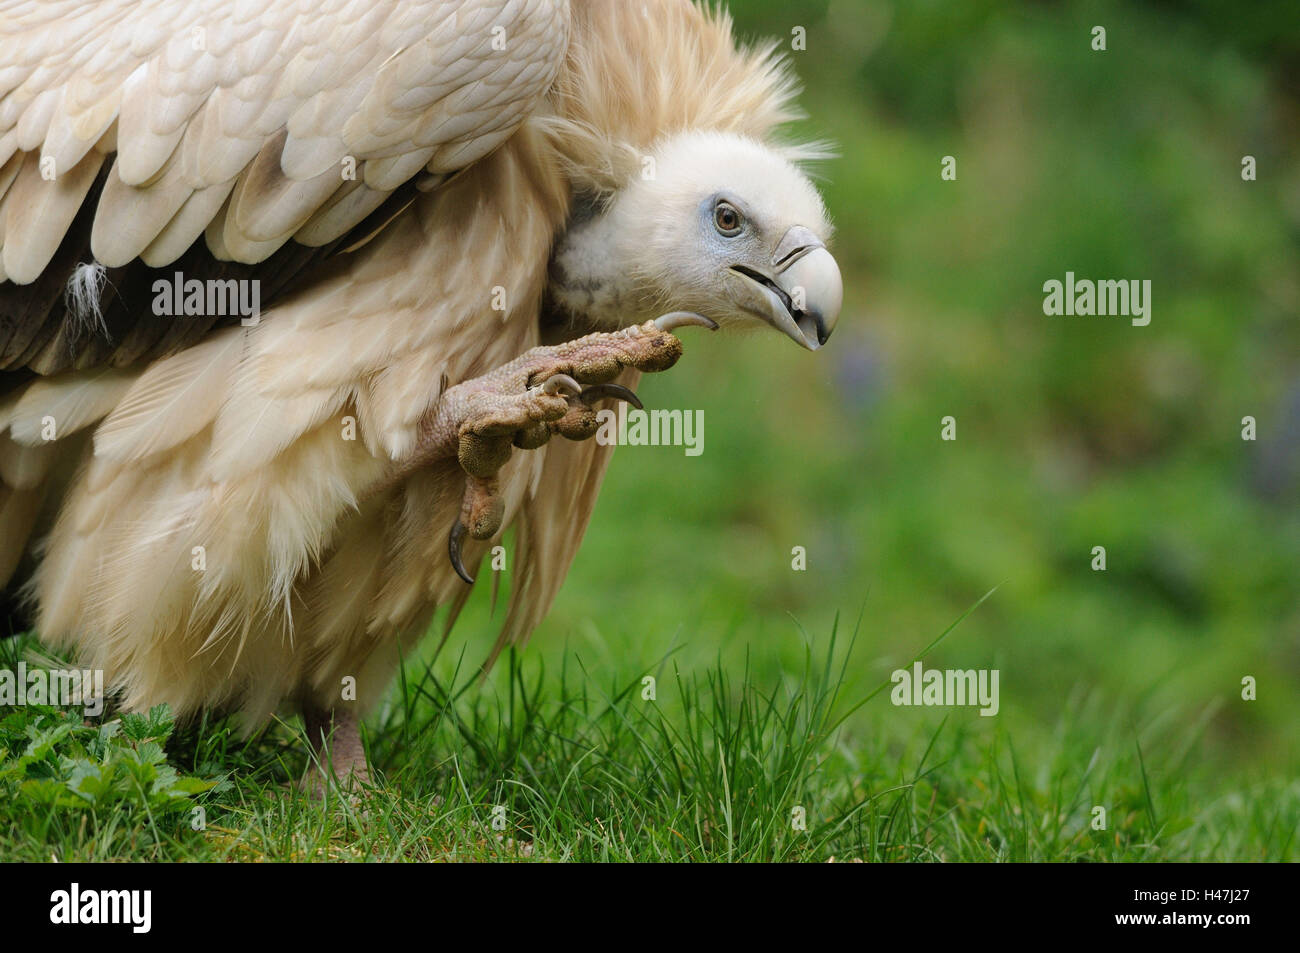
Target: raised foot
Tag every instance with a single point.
(546, 391)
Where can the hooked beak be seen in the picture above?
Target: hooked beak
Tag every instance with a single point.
(801, 294)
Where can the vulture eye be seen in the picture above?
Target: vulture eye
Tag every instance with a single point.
(727, 220)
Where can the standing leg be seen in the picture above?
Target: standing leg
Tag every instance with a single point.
(335, 738)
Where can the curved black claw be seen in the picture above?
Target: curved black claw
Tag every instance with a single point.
(617, 391)
(458, 532)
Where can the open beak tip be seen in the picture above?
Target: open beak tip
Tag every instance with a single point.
(813, 330)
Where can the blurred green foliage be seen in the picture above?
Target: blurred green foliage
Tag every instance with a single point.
(1073, 432)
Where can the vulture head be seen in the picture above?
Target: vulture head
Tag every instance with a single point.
(717, 224)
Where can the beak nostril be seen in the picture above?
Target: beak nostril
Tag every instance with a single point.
(797, 242)
(791, 258)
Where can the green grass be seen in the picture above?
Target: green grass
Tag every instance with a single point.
(567, 763)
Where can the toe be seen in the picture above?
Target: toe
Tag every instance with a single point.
(579, 423)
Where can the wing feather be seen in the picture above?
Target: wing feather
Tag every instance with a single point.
(289, 86)
(245, 122)
(39, 211)
(129, 218)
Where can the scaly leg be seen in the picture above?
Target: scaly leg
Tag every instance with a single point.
(335, 739)
(522, 404)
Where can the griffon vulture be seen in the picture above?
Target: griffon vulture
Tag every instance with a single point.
(459, 221)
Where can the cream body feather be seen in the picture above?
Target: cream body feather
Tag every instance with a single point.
(219, 541)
